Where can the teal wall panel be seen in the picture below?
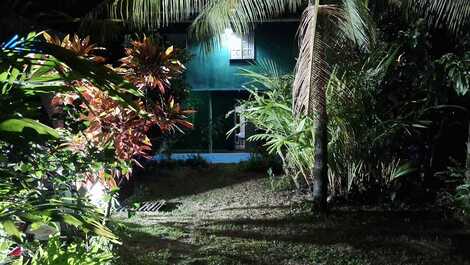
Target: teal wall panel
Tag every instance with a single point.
(214, 75)
(213, 71)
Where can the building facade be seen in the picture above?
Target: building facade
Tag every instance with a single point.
(216, 84)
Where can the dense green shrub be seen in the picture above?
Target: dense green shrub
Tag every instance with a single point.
(268, 109)
(462, 198)
(56, 252)
(46, 174)
(358, 130)
(261, 163)
(362, 157)
(280, 182)
(39, 175)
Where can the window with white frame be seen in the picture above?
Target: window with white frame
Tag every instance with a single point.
(242, 47)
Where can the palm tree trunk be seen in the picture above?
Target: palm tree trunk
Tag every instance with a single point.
(467, 162)
(309, 96)
(317, 108)
(320, 168)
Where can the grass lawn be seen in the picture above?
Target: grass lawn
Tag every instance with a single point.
(226, 216)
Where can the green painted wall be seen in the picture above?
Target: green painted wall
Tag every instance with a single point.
(214, 75)
(214, 71)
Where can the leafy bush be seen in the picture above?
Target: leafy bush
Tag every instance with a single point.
(361, 157)
(280, 183)
(457, 71)
(268, 109)
(462, 198)
(261, 163)
(45, 173)
(124, 128)
(39, 175)
(56, 252)
(358, 130)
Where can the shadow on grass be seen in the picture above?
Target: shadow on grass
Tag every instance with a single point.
(142, 246)
(416, 233)
(376, 236)
(185, 181)
(154, 246)
(397, 220)
(262, 207)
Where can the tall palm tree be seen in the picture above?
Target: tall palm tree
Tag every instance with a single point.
(349, 18)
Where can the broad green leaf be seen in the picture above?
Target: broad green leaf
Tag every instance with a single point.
(11, 229)
(71, 220)
(402, 170)
(18, 126)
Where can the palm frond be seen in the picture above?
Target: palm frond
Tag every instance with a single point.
(140, 14)
(452, 14)
(239, 15)
(356, 24)
(213, 17)
(212, 22)
(310, 68)
(264, 67)
(154, 13)
(265, 74)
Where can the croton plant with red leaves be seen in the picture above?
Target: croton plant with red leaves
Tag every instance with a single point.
(81, 47)
(148, 66)
(16, 252)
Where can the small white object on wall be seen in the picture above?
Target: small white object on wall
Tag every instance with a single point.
(240, 136)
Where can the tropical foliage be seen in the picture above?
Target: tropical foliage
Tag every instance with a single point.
(285, 135)
(47, 172)
(376, 137)
(357, 128)
(375, 110)
(37, 189)
(360, 132)
(125, 128)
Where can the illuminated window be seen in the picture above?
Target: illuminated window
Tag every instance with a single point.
(240, 47)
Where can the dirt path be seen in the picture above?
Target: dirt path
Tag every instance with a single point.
(230, 217)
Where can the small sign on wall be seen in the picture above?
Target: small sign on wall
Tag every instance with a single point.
(242, 47)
